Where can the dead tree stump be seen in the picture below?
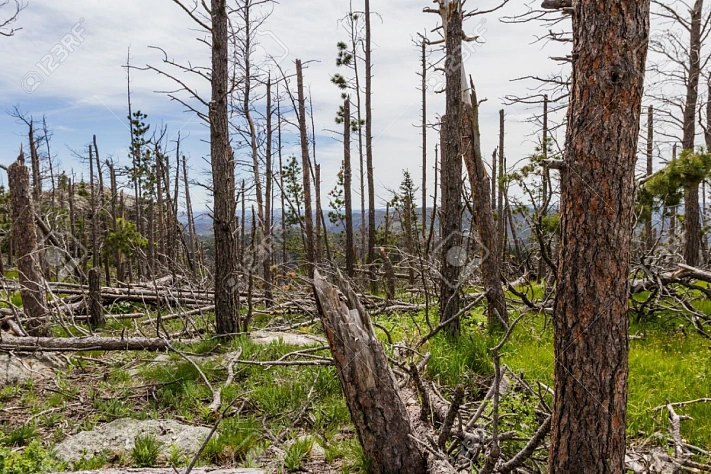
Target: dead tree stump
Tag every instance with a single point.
(96, 308)
(378, 412)
(389, 274)
(32, 290)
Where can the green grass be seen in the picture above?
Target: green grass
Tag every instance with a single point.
(145, 451)
(667, 364)
(20, 436)
(35, 458)
(277, 394)
(235, 438)
(675, 367)
(297, 451)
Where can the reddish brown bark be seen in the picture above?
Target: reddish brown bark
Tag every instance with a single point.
(597, 189)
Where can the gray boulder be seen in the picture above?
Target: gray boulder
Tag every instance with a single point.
(119, 436)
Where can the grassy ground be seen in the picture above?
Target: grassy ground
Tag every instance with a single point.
(303, 407)
(666, 364)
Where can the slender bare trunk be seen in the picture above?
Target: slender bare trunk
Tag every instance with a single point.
(223, 180)
(369, 143)
(305, 167)
(347, 180)
(267, 229)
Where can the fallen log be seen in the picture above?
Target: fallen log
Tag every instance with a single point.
(200, 470)
(79, 344)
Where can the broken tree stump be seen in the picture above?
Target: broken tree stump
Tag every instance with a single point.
(32, 290)
(96, 308)
(379, 415)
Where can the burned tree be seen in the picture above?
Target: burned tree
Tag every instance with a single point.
(680, 49)
(223, 179)
(32, 290)
(305, 168)
(451, 171)
(460, 134)
(382, 423)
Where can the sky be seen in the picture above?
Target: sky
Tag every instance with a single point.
(66, 63)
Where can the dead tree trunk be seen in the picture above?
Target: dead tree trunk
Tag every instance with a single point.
(223, 179)
(36, 176)
(692, 224)
(267, 228)
(34, 296)
(94, 224)
(488, 240)
(320, 229)
(382, 423)
(96, 309)
(389, 274)
(100, 206)
(347, 182)
(494, 168)
(501, 211)
(306, 170)
(672, 216)
(424, 138)
(114, 222)
(94, 343)
(369, 144)
(451, 251)
(189, 210)
(649, 239)
(597, 192)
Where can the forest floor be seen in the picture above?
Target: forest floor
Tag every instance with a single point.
(285, 418)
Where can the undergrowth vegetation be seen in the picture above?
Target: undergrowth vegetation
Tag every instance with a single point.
(301, 408)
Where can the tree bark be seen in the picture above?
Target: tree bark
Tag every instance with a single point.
(486, 227)
(223, 180)
(597, 191)
(451, 250)
(692, 224)
(34, 296)
(96, 309)
(649, 239)
(369, 144)
(306, 170)
(93, 343)
(377, 411)
(347, 183)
